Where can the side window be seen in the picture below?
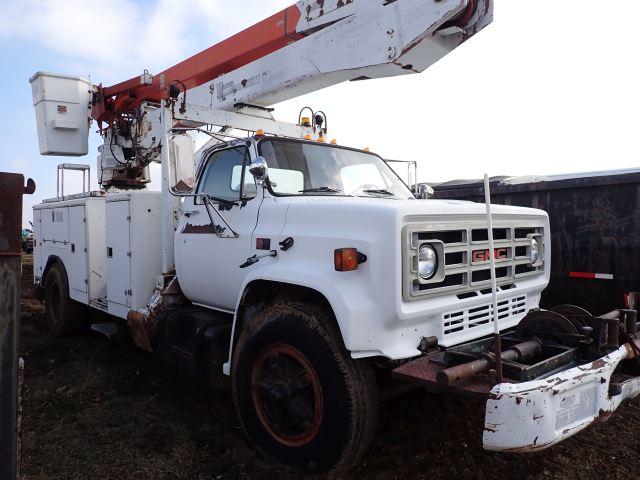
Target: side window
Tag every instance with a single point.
(223, 175)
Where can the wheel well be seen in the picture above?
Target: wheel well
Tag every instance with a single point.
(51, 261)
(261, 293)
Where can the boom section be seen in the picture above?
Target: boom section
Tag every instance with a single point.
(305, 47)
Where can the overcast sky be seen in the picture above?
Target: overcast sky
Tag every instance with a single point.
(552, 86)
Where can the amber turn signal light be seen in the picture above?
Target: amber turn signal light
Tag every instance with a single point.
(348, 259)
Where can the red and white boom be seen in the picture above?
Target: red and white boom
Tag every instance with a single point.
(308, 46)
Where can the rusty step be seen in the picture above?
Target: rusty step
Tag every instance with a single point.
(424, 371)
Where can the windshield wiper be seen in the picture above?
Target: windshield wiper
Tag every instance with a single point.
(379, 192)
(222, 200)
(319, 190)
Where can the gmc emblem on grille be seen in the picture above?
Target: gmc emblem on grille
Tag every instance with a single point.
(479, 256)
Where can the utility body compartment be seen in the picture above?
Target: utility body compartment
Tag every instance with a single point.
(133, 249)
(110, 246)
(73, 230)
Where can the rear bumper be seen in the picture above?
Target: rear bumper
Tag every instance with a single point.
(532, 416)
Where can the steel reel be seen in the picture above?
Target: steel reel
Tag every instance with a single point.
(550, 326)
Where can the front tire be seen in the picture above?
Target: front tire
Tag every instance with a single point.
(64, 316)
(302, 400)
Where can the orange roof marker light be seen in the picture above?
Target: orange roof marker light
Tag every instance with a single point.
(260, 133)
(308, 137)
(334, 142)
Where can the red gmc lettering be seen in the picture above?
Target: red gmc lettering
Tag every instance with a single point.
(479, 256)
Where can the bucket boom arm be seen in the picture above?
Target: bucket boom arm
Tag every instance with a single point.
(308, 46)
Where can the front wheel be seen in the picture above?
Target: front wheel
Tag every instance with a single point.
(301, 399)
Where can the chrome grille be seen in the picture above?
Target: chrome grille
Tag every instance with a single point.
(465, 252)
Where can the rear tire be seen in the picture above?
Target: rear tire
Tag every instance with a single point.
(302, 400)
(64, 316)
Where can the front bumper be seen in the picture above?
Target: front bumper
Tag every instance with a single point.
(532, 416)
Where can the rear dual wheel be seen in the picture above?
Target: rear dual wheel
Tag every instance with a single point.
(302, 400)
(64, 316)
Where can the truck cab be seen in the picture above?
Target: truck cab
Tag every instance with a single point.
(420, 268)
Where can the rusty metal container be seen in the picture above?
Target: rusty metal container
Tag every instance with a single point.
(595, 231)
(11, 191)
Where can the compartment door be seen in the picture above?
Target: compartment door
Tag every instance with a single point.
(77, 268)
(38, 267)
(118, 253)
(55, 229)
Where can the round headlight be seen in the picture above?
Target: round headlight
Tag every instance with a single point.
(427, 262)
(535, 251)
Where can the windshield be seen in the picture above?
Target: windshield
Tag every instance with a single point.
(300, 168)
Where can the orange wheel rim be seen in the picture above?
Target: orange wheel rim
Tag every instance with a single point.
(287, 395)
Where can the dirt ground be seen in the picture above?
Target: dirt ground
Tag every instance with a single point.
(100, 409)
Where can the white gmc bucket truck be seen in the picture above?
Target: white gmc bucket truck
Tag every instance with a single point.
(304, 270)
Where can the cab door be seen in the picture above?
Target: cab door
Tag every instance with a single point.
(208, 259)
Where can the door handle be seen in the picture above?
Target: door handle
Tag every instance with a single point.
(256, 258)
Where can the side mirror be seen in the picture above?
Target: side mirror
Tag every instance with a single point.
(259, 169)
(181, 164)
(425, 191)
